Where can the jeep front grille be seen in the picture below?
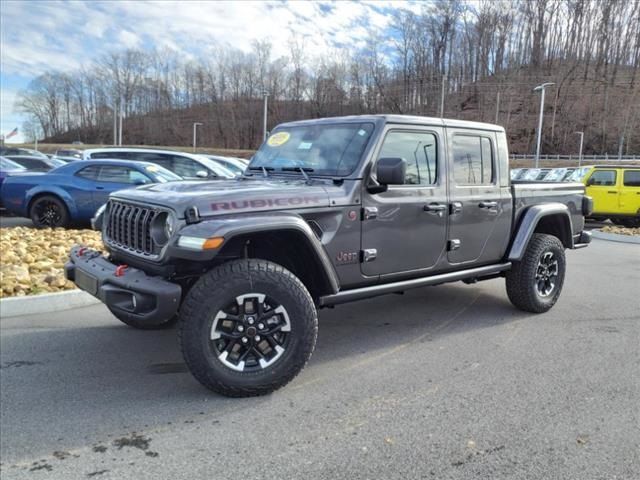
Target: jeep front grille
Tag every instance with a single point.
(129, 227)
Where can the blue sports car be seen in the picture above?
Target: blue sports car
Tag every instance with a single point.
(73, 192)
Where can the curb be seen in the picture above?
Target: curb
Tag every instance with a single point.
(615, 237)
(45, 303)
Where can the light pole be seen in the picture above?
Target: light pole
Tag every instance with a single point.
(264, 117)
(195, 133)
(541, 88)
(444, 81)
(580, 150)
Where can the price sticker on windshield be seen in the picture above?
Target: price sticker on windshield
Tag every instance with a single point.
(278, 139)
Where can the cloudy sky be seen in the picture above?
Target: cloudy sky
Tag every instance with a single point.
(64, 35)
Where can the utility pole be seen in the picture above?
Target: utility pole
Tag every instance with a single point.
(264, 116)
(580, 150)
(497, 106)
(541, 89)
(195, 133)
(620, 147)
(444, 81)
(115, 124)
(120, 127)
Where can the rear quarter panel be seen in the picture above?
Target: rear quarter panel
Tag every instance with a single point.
(570, 194)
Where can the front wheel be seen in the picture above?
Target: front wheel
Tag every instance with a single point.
(247, 327)
(535, 282)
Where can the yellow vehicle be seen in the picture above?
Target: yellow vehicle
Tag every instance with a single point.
(615, 190)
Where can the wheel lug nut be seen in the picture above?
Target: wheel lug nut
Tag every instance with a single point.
(257, 338)
(240, 328)
(261, 326)
(250, 320)
(245, 339)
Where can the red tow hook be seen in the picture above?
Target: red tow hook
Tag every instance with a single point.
(81, 251)
(120, 270)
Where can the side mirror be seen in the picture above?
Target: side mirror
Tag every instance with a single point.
(590, 181)
(202, 174)
(391, 171)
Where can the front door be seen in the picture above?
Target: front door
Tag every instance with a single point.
(404, 228)
(478, 224)
(601, 186)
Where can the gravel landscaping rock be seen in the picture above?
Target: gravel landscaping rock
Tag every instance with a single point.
(621, 230)
(33, 259)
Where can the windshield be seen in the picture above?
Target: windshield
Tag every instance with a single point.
(6, 164)
(329, 149)
(216, 168)
(160, 174)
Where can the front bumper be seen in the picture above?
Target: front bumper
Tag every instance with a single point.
(130, 293)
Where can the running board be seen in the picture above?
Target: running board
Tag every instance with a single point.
(375, 290)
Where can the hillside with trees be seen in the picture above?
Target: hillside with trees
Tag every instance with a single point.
(486, 55)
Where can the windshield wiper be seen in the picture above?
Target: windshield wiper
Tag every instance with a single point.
(264, 169)
(302, 170)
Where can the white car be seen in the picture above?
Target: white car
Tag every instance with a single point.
(189, 166)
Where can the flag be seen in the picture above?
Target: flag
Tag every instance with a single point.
(12, 133)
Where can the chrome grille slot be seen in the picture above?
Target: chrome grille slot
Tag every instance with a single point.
(129, 227)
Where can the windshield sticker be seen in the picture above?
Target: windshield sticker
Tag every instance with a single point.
(362, 132)
(305, 146)
(278, 139)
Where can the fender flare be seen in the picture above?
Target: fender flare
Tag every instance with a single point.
(529, 222)
(233, 227)
(49, 190)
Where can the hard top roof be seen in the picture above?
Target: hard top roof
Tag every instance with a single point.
(399, 119)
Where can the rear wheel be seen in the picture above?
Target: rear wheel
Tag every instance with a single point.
(535, 282)
(247, 328)
(49, 211)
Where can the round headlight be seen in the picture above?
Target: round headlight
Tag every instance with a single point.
(163, 227)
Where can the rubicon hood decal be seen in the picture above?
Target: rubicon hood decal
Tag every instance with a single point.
(233, 196)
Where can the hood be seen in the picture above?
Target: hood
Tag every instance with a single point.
(221, 197)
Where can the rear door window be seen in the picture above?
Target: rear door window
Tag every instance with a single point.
(472, 160)
(631, 178)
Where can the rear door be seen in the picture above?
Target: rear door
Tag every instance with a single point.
(404, 228)
(630, 193)
(480, 220)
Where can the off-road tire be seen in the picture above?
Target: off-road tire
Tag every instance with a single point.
(521, 279)
(62, 213)
(145, 325)
(218, 288)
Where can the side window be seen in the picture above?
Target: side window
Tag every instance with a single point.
(472, 160)
(102, 155)
(90, 173)
(115, 174)
(603, 178)
(631, 178)
(418, 149)
(157, 158)
(185, 167)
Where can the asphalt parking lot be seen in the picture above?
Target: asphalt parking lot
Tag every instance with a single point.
(442, 382)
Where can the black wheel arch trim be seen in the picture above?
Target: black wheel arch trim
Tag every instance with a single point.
(233, 227)
(530, 220)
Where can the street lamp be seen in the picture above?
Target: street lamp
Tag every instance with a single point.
(195, 133)
(580, 152)
(264, 117)
(541, 89)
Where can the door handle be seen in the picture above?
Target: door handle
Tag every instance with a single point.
(435, 208)
(488, 204)
(609, 191)
(99, 188)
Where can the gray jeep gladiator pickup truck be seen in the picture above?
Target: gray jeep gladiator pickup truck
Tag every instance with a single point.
(330, 211)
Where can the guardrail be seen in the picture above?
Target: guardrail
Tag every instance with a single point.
(575, 158)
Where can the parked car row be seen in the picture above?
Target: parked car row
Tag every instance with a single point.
(569, 174)
(58, 191)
